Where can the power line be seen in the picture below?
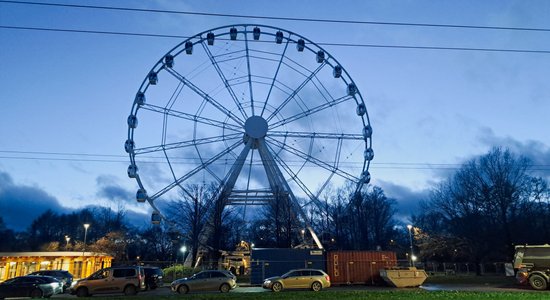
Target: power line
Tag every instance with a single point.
(322, 44)
(178, 160)
(356, 22)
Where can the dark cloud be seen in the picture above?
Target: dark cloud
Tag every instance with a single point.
(536, 151)
(408, 201)
(109, 189)
(21, 204)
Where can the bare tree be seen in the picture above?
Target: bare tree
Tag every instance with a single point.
(190, 214)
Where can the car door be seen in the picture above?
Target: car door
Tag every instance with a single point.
(292, 280)
(13, 288)
(100, 282)
(216, 280)
(200, 281)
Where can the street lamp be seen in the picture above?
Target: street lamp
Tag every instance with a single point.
(86, 226)
(67, 238)
(411, 243)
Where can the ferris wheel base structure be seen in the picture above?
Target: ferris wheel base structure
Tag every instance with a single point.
(266, 115)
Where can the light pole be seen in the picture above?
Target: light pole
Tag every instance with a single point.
(67, 238)
(86, 226)
(411, 244)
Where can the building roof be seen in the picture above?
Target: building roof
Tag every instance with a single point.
(53, 254)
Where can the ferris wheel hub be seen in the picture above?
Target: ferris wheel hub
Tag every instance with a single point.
(255, 127)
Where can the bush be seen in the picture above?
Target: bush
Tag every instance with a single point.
(177, 271)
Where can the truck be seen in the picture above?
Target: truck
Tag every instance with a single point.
(532, 264)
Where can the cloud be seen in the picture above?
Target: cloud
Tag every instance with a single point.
(109, 189)
(21, 204)
(408, 201)
(536, 151)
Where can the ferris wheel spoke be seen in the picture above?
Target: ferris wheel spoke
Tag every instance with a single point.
(225, 81)
(205, 96)
(311, 111)
(317, 135)
(249, 74)
(296, 91)
(195, 170)
(316, 161)
(185, 144)
(314, 198)
(190, 117)
(275, 77)
(292, 175)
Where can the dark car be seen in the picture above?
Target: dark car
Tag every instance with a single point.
(30, 286)
(64, 276)
(153, 277)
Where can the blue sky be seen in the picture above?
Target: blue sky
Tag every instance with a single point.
(65, 96)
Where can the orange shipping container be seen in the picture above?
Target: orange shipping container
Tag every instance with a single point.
(358, 267)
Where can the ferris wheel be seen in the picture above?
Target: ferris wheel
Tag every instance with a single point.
(259, 111)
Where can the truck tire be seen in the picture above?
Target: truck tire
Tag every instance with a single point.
(538, 282)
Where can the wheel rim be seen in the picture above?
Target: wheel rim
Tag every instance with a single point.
(224, 288)
(183, 289)
(295, 115)
(538, 282)
(316, 286)
(277, 287)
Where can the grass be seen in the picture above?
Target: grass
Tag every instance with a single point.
(368, 295)
(490, 280)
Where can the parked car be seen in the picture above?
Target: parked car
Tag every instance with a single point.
(153, 277)
(30, 286)
(213, 280)
(128, 280)
(313, 279)
(64, 276)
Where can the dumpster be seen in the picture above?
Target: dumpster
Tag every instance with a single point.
(403, 277)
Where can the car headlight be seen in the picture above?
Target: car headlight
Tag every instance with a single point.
(267, 282)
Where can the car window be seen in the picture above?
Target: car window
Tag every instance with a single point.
(217, 274)
(316, 273)
(117, 273)
(202, 275)
(100, 274)
(293, 274)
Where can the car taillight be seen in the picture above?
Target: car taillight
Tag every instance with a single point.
(327, 278)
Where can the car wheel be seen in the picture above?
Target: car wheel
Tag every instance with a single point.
(316, 286)
(277, 287)
(130, 290)
(224, 288)
(183, 289)
(36, 293)
(538, 282)
(82, 292)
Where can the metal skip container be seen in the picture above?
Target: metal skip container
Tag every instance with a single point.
(403, 277)
(358, 267)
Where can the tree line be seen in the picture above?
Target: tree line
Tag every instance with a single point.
(477, 214)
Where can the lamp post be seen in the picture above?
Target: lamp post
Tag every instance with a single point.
(411, 244)
(67, 239)
(86, 226)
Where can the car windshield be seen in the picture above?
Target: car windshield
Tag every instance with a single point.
(287, 274)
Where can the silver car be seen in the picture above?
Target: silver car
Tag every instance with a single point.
(213, 280)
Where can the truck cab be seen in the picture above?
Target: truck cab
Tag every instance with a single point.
(532, 265)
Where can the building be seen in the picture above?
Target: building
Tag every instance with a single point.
(80, 264)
